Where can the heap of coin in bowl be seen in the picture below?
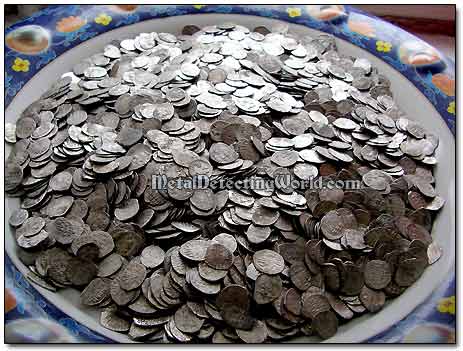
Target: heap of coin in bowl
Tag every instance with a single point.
(219, 264)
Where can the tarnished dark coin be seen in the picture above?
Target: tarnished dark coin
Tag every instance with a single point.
(219, 257)
(353, 279)
(267, 288)
(102, 239)
(80, 271)
(110, 265)
(190, 29)
(325, 324)
(132, 276)
(373, 300)
(256, 335)
(409, 270)
(187, 321)
(377, 274)
(300, 276)
(233, 303)
(314, 304)
(292, 301)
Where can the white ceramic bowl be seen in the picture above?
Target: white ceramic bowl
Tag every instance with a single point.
(410, 99)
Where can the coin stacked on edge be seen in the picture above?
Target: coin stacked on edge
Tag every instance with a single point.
(223, 264)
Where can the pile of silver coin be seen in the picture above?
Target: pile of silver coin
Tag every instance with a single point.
(213, 263)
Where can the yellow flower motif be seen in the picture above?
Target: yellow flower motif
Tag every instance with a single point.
(103, 19)
(383, 46)
(20, 65)
(293, 11)
(198, 7)
(451, 108)
(447, 305)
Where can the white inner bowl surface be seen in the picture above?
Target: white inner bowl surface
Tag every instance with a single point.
(407, 96)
